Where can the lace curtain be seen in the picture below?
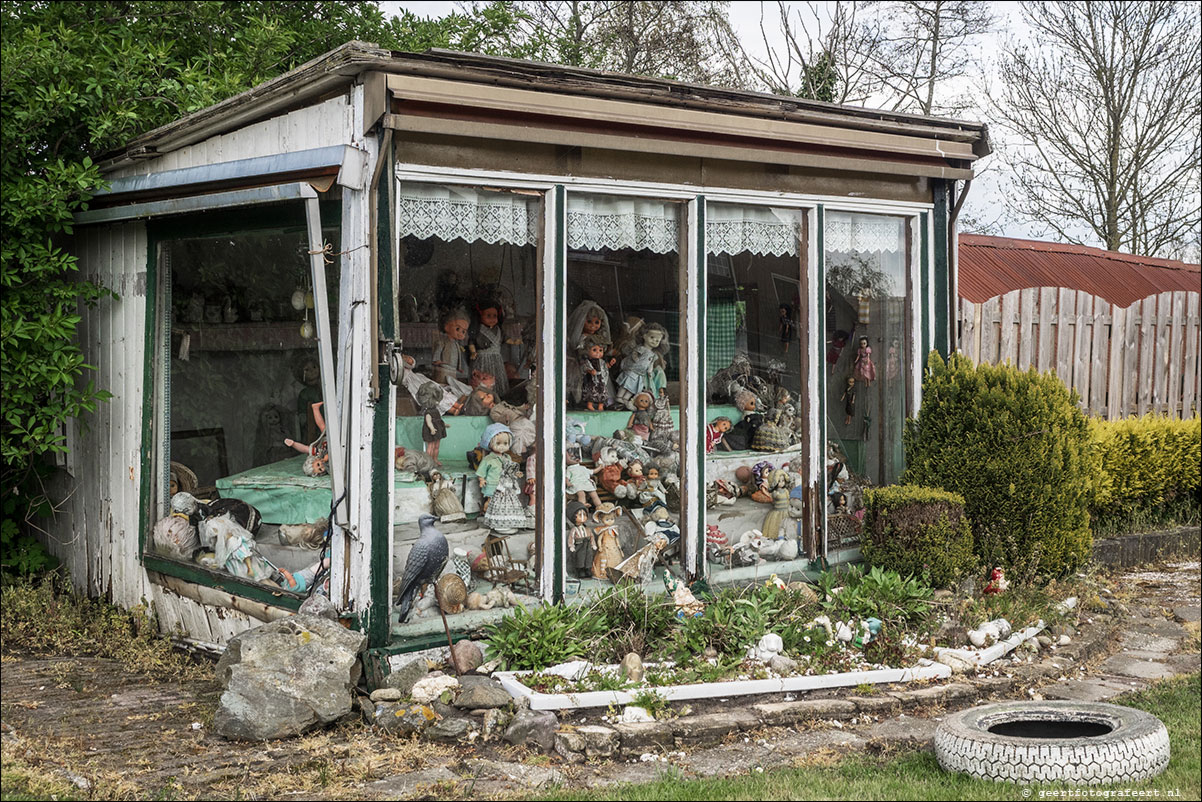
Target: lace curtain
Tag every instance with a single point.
(864, 233)
(450, 213)
(597, 222)
(757, 229)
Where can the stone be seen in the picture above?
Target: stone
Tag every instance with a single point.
(495, 721)
(483, 697)
(404, 679)
(632, 668)
(599, 741)
(427, 690)
(319, 606)
(709, 653)
(633, 714)
(386, 695)
(533, 728)
(449, 729)
(1126, 666)
(807, 593)
(287, 677)
(1044, 641)
(1085, 690)
(569, 746)
(652, 736)
(786, 713)
(943, 594)
(404, 719)
(959, 661)
(466, 656)
(783, 665)
(1188, 612)
(1064, 640)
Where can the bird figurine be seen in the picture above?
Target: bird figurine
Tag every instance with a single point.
(423, 565)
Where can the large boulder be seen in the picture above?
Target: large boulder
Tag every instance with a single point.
(287, 677)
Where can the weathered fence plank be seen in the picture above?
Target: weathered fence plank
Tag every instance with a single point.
(1026, 338)
(1190, 371)
(1147, 338)
(1047, 324)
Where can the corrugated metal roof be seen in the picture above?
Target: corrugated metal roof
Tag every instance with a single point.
(991, 266)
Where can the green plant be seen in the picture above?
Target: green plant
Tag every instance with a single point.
(542, 636)
(884, 595)
(889, 648)
(653, 702)
(1016, 447)
(630, 620)
(918, 531)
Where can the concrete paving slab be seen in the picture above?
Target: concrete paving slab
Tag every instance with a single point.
(1188, 612)
(1147, 642)
(1126, 666)
(908, 730)
(1087, 690)
(1186, 663)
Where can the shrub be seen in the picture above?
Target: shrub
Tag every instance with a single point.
(918, 531)
(1016, 447)
(543, 636)
(1148, 472)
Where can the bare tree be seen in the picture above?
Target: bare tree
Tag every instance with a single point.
(1106, 114)
(926, 46)
(822, 57)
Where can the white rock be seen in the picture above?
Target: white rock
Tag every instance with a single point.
(1065, 640)
(977, 637)
(959, 661)
(843, 632)
(428, 689)
(634, 714)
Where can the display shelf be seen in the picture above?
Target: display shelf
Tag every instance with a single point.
(279, 336)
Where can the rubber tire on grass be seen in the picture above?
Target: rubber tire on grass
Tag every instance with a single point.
(1137, 747)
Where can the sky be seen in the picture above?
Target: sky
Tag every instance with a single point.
(986, 200)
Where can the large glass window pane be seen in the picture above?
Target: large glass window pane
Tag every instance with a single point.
(247, 475)
(755, 405)
(867, 342)
(622, 362)
(467, 301)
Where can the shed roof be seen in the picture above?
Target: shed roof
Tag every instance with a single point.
(991, 266)
(344, 65)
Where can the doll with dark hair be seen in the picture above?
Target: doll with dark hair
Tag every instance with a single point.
(785, 326)
(484, 343)
(450, 361)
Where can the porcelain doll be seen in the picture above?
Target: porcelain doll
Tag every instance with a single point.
(444, 501)
(505, 513)
(450, 359)
(433, 428)
(609, 552)
(484, 344)
(594, 375)
(651, 489)
(661, 419)
(742, 434)
(640, 419)
(864, 369)
(579, 480)
(496, 440)
(643, 367)
(582, 542)
(849, 400)
(714, 433)
(587, 321)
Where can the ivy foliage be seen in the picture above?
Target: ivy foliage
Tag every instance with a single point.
(80, 80)
(1015, 445)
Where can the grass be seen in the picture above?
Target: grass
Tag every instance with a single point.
(916, 775)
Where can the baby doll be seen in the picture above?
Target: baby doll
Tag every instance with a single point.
(643, 367)
(640, 419)
(579, 481)
(864, 368)
(582, 543)
(651, 489)
(479, 402)
(587, 321)
(849, 401)
(714, 433)
(594, 374)
(484, 344)
(433, 428)
(318, 452)
(496, 439)
(450, 361)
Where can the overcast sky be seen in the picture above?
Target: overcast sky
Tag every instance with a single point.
(986, 198)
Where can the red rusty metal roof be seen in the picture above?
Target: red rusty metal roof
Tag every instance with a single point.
(991, 266)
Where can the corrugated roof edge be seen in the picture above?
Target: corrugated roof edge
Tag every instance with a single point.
(344, 63)
(985, 241)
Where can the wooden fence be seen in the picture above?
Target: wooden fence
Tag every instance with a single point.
(1121, 360)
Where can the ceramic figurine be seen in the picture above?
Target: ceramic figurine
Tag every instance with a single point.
(588, 321)
(864, 369)
(450, 359)
(785, 326)
(580, 482)
(429, 396)
(760, 473)
(714, 432)
(643, 367)
(849, 400)
(594, 374)
(582, 542)
(444, 501)
(609, 553)
(505, 512)
(484, 343)
(640, 419)
(496, 440)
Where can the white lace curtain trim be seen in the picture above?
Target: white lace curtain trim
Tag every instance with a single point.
(864, 233)
(599, 222)
(450, 213)
(760, 230)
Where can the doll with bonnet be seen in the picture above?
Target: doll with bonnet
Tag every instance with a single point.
(587, 321)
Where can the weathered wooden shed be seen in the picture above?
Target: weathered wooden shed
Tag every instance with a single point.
(324, 236)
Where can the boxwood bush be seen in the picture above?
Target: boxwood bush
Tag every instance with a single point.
(918, 531)
(1149, 472)
(1014, 444)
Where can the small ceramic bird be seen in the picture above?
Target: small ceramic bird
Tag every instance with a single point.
(423, 565)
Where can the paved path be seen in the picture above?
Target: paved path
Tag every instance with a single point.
(87, 721)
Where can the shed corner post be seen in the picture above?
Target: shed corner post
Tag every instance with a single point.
(942, 304)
